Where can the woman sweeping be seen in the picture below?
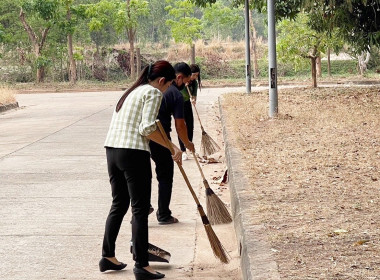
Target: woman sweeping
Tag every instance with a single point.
(129, 169)
(193, 85)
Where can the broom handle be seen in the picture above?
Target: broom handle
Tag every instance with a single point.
(170, 147)
(199, 167)
(195, 107)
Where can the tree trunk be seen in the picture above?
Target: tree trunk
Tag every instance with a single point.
(132, 56)
(192, 54)
(37, 45)
(40, 74)
(131, 38)
(73, 67)
(363, 62)
(138, 59)
(319, 67)
(314, 71)
(254, 46)
(329, 62)
(62, 74)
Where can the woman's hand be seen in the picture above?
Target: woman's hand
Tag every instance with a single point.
(177, 157)
(190, 146)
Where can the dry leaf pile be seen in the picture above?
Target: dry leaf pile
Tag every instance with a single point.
(315, 177)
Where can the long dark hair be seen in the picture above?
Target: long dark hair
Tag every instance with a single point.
(195, 69)
(160, 68)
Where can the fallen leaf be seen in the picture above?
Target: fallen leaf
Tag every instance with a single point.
(361, 242)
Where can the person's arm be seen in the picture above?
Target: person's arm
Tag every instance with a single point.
(181, 129)
(179, 120)
(193, 89)
(148, 126)
(157, 137)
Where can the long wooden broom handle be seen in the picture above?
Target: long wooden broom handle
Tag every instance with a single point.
(199, 166)
(170, 147)
(195, 107)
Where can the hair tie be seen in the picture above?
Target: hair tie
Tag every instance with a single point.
(150, 68)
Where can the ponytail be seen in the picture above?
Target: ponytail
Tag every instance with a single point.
(160, 68)
(142, 80)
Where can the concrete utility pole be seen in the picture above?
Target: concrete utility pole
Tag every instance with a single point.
(247, 49)
(273, 98)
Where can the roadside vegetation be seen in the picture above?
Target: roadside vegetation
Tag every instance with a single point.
(7, 96)
(71, 41)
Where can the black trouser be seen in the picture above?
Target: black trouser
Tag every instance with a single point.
(189, 120)
(165, 172)
(131, 182)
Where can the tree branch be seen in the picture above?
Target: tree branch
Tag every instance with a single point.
(32, 36)
(43, 39)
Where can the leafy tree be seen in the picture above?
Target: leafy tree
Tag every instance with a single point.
(67, 24)
(127, 20)
(11, 30)
(218, 18)
(44, 11)
(203, 3)
(2, 33)
(152, 27)
(185, 27)
(72, 13)
(358, 21)
(297, 43)
(100, 17)
(122, 15)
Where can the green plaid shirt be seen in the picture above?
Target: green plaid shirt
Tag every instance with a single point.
(135, 120)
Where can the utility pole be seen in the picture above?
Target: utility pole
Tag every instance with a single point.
(247, 49)
(273, 98)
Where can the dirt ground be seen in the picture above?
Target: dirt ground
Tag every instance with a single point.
(315, 177)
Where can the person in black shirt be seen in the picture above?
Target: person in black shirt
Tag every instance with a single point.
(172, 105)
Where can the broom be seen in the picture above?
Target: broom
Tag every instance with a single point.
(208, 145)
(216, 209)
(217, 247)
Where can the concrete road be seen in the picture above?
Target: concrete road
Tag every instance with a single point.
(55, 194)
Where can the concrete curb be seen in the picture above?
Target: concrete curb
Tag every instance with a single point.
(256, 261)
(7, 107)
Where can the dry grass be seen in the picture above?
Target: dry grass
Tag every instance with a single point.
(226, 50)
(315, 177)
(7, 96)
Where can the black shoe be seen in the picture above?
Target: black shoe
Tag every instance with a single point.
(170, 220)
(105, 264)
(142, 274)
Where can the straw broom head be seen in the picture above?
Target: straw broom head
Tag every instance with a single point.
(216, 209)
(208, 145)
(217, 247)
